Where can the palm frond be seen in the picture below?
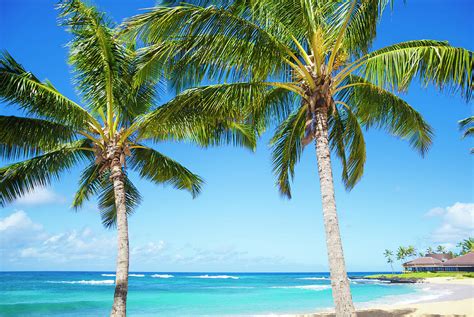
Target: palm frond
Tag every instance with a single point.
(96, 55)
(362, 27)
(346, 137)
(207, 41)
(209, 115)
(160, 169)
(287, 148)
(394, 67)
(90, 183)
(107, 207)
(23, 137)
(20, 178)
(376, 107)
(20, 87)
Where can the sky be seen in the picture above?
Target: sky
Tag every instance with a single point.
(240, 223)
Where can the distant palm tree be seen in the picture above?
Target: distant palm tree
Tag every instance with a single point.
(441, 249)
(110, 133)
(466, 245)
(389, 257)
(410, 251)
(304, 65)
(401, 253)
(429, 250)
(468, 126)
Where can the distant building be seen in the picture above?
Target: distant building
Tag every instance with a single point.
(441, 262)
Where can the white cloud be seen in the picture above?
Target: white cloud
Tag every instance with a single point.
(40, 196)
(27, 245)
(18, 220)
(457, 223)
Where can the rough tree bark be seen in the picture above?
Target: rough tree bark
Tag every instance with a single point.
(339, 282)
(119, 308)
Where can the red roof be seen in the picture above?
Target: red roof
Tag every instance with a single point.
(440, 256)
(424, 261)
(463, 260)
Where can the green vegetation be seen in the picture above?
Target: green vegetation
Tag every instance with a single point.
(415, 275)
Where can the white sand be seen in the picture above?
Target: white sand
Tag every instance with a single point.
(446, 297)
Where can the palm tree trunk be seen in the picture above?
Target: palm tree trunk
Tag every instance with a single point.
(119, 308)
(339, 282)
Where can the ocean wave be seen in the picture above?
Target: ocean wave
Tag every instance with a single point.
(216, 276)
(368, 281)
(84, 282)
(313, 278)
(137, 275)
(108, 274)
(309, 287)
(162, 275)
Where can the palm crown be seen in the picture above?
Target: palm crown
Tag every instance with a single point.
(287, 59)
(120, 116)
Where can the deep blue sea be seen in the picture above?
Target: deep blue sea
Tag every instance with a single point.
(180, 294)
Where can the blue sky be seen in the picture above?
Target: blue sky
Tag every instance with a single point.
(239, 222)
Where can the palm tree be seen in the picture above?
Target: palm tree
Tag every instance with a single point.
(110, 133)
(466, 245)
(468, 126)
(401, 253)
(304, 65)
(429, 250)
(441, 249)
(389, 256)
(410, 251)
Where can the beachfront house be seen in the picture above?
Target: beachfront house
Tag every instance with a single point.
(441, 262)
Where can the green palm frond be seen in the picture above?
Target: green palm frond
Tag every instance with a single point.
(467, 125)
(347, 140)
(362, 27)
(107, 209)
(19, 178)
(20, 87)
(90, 183)
(434, 62)
(206, 40)
(376, 107)
(96, 55)
(24, 137)
(160, 169)
(208, 115)
(287, 148)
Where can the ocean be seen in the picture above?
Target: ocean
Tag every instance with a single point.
(182, 294)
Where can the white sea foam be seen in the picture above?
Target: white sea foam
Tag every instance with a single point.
(84, 282)
(132, 275)
(313, 278)
(162, 275)
(216, 276)
(309, 287)
(368, 281)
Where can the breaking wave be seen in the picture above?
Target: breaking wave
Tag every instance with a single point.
(216, 276)
(162, 275)
(84, 282)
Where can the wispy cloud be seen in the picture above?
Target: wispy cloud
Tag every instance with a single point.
(456, 223)
(41, 196)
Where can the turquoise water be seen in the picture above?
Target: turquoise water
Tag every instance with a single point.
(178, 294)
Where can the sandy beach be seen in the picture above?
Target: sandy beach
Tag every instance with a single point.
(444, 297)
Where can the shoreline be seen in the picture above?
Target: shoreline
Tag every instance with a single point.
(439, 296)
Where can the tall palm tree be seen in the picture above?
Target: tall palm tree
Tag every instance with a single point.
(305, 65)
(110, 133)
(389, 257)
